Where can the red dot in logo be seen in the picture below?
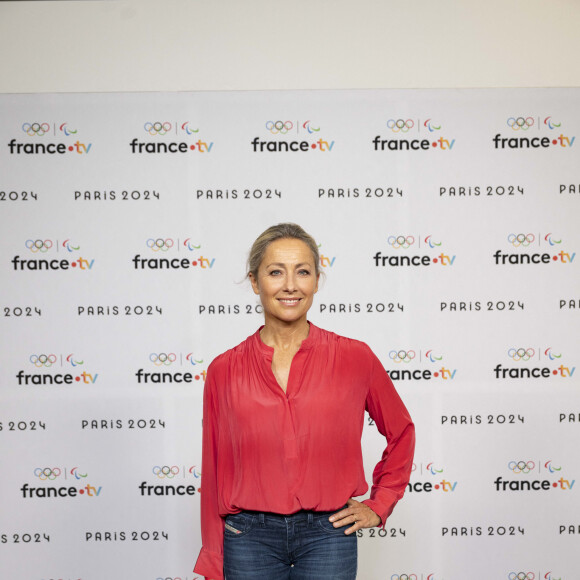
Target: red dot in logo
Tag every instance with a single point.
(434, 144)
(192, 147)
(554, 142)
(194, 263)
(313, 145)
(197, 377)
(199, 489)
(74, 264)
(435, 260)
(555, 258)
(71, 148)
(435, 374)
(81, 491)
(436, 486)
(554, 372)
(77, 379)
(554, 484)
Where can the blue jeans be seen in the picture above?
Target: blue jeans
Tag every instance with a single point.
(300, 546)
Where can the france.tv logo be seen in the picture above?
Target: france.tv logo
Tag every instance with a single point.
(528, 131)
(532, 248)
(36, 134)
(43, 252)
(164, 252)
(289, 136)
(184, 133)
(426, 133)
(401, 244)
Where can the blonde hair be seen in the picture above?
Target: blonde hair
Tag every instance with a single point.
(279, 232)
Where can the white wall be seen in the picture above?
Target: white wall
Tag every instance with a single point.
(183, 45)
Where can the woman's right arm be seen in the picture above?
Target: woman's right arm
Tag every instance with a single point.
(210, 560)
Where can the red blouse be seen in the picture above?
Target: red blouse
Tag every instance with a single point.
(271, 451)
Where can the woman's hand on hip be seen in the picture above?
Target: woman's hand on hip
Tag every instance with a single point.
(357, 513)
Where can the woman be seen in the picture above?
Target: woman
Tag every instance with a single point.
(283, 415)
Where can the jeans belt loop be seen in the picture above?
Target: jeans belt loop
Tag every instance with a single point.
(262, 519)
(310, 519)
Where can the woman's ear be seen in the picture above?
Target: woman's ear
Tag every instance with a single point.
(254, 283)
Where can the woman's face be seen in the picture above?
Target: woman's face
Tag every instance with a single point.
(286, 281)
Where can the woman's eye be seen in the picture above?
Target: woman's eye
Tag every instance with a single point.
(304, 272)
(274, 272)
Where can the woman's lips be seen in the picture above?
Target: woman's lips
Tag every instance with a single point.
(289, 301)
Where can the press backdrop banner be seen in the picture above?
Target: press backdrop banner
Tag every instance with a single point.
(448, 230)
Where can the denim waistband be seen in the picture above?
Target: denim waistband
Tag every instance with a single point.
(302, 514)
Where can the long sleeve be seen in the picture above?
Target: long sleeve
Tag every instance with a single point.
(210, 560)
(392, 473)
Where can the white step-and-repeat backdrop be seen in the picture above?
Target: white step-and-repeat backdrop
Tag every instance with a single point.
(448, 230)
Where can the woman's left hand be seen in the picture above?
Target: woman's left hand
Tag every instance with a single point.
(357, 513)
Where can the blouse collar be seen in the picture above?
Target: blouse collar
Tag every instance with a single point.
(308, 342)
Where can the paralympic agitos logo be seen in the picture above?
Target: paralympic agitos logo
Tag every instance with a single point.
(536, 132)
(402, 245)
(534, 363)
(37, 135)
(60, 482)
(162, 255)
(44, 252)
(413, 135)
(410, 365)
(170, 367)
(48, 363)
(532, 475)
(534, 249)
(292, 137)
(171, 137)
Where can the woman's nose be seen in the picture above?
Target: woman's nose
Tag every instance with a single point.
(290, 285)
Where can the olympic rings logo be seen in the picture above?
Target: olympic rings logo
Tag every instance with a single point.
(524, 240)
(517, 123)
(38, 245)
(404, 577)
(42, 360)
(45, 473)
(402, 356)
(521, 576)
(401, 241)
(39, 129)
(166, 471)
(172, 578)
(281, 127)
(160, 244)
(521, 466)
(518, 354)
(400, 125)
(162, 358)
(157, 128)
